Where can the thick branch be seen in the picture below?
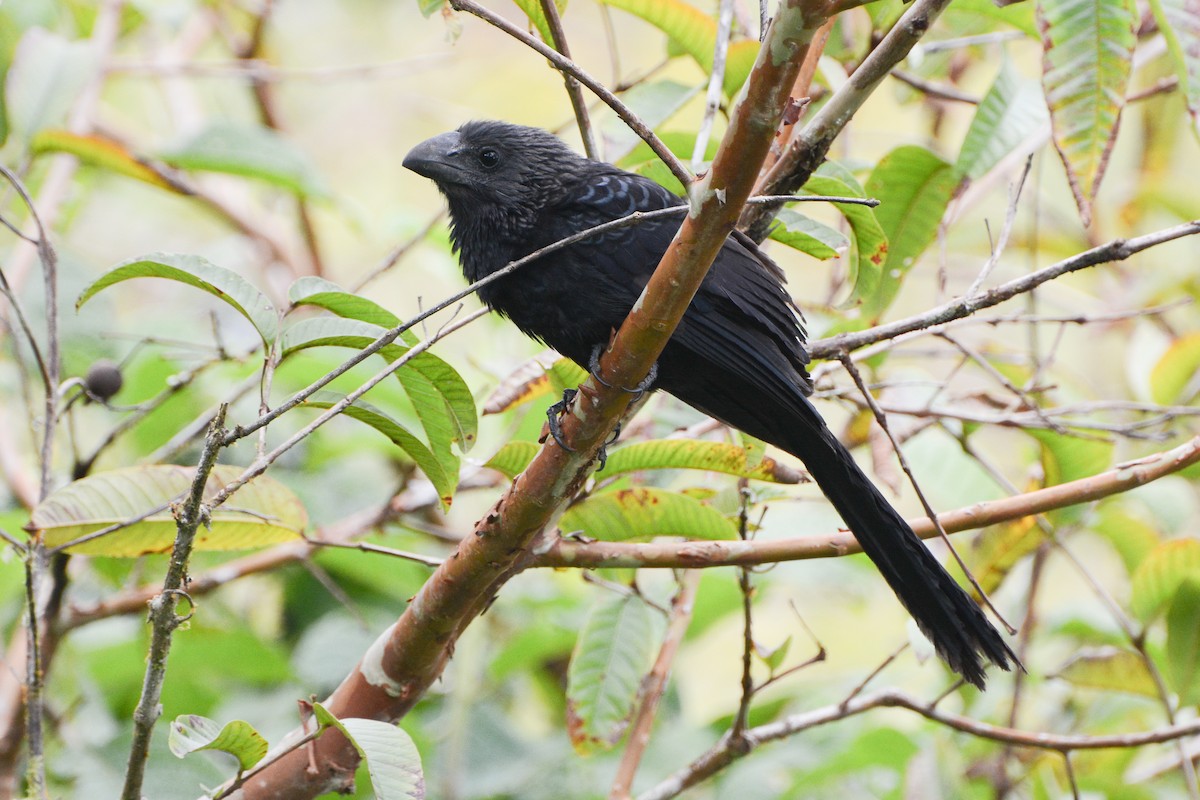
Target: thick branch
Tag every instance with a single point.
(407, 658)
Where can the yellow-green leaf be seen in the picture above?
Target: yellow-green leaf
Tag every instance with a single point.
(1183, 641)
(261, 513)
(1110, 669)
(689, 454)
(1086, 63)
(1157, 579)
(1176, 377)
(641, 514)
(97, 151)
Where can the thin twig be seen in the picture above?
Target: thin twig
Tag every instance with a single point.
(716, 83)
(654, 684)
(574, 92)
(564, 64)
(881, 419)
(163, 620)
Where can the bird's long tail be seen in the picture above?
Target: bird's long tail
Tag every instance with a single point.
(946, 614)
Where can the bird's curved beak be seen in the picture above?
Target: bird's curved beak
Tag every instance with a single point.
(437, 158)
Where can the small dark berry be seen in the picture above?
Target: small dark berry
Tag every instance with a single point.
(103, 380)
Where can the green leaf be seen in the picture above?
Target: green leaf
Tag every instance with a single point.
(46, 75)
(688, 454)
(612, 654)
(512, 459)
(96, 151)
(694, 33)
(1179, 23)
(428, 7)
(537, 17)
(190, 732)
(1156, 581)
(870, 244)
(1110, 669)
(808, 236)
(1018, 15)
(1183, 641)
(201, 273)
(1069, 458)
(389, 752)
(443, 481)
(252, 152)
(655, 102)
(262, 512)
(913, 187)
(440, 396)
(1011, 111)
(1086, 62)
(1175, 378)
(1131, 536)
(996, 551)
(642, 514)
(313, 291)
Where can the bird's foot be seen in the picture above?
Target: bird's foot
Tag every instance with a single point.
(637, 391)
(554, 415)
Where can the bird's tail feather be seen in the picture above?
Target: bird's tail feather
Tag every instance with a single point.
(949, 618)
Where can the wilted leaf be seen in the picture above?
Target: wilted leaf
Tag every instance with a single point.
(996, 551)
(1087, 58)
(611, 655)
(643, 514)
(225, 284)
(262, 512)
(524, 383)
(190, 732)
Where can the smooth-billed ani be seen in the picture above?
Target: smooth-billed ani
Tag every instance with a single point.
(737, 355)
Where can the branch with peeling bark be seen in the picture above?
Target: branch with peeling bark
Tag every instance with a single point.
(408, 657)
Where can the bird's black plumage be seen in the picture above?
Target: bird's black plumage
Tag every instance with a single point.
(738, 353)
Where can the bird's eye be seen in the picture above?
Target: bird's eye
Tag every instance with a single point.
(488, 158)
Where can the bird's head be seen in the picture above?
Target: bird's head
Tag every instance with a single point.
(486, 163)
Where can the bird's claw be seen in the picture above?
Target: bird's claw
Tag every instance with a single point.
(637, 391)
(554, 415)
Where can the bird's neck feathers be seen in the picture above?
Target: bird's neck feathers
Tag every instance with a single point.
(490, 231)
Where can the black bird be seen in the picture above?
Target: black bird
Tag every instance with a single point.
(738, 354)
